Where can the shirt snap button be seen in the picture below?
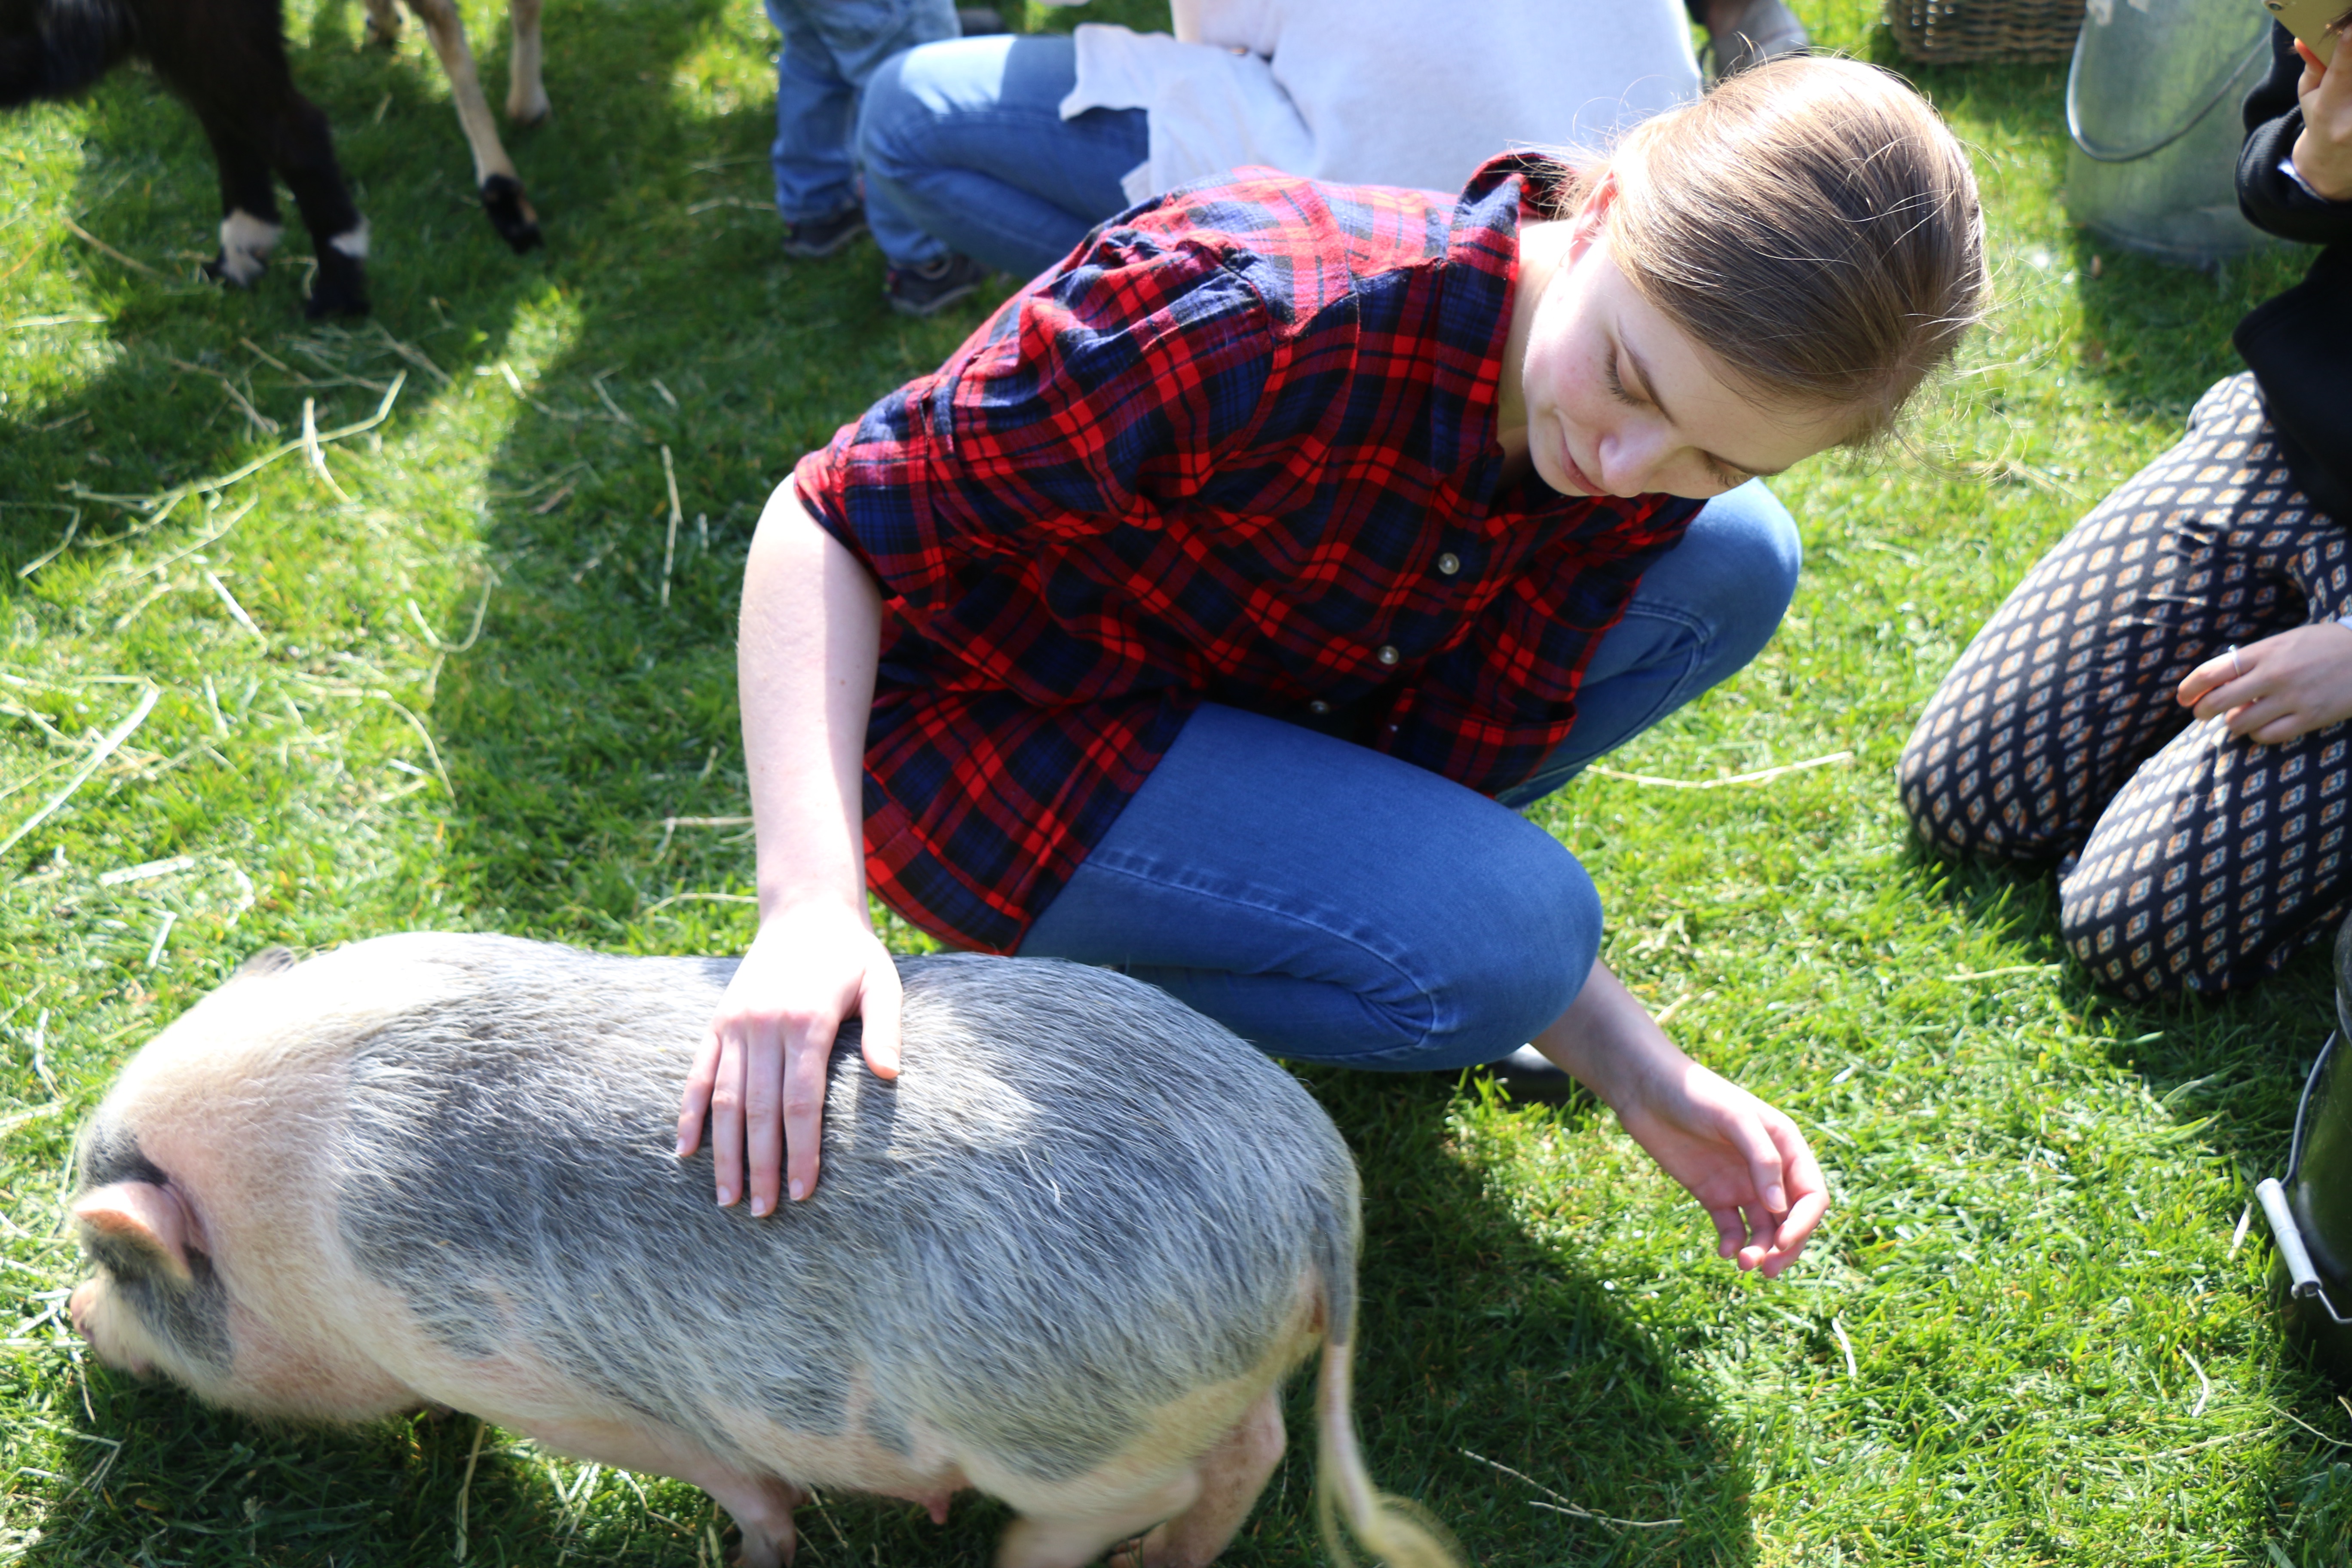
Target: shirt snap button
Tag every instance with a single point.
(1449, 563)
(1388, 654)
(1318, 706)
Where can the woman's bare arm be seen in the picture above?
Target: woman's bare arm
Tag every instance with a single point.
(1744, 1161)
(810, 639)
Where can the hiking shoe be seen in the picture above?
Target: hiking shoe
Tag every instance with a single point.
(1766, 30)
(928, 289)
(815, 236)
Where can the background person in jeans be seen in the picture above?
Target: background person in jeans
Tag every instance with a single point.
(1193, 618)
(1010, 148)
(2161, 707)
(831, 50)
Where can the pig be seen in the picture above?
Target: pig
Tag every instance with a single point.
(1067, 1257)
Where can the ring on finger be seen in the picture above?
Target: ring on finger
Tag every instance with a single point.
(2237, 665)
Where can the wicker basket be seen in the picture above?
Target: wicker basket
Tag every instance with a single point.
(1956, 32)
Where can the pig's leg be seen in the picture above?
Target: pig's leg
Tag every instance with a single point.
(761, 1506)
(1039, 1541)
(1232, 1476)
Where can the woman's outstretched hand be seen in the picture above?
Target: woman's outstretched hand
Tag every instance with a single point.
(1745, 1162)
(2278, 688)
(760, 1074)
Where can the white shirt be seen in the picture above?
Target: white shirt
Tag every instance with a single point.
(1396, 92)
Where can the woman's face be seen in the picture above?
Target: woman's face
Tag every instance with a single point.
(1619, 401)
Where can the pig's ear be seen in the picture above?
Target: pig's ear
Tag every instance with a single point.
(147, 1220)
(268, 961)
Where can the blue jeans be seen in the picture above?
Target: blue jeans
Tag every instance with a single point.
(832, 49)
(1329, 903)
(967, 140)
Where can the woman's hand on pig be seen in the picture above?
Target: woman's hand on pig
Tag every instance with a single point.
(760, 1074)
(2278, 688)
(805, 658)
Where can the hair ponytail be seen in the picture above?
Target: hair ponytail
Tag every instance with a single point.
(1812, 223)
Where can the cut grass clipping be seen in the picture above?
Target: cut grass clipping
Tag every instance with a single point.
(313, 633)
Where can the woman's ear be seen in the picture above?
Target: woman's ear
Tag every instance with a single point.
(1592, 214)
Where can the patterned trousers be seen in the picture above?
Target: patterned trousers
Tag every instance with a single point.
(2189, 860)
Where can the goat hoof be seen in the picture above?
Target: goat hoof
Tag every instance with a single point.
(219, 271)
(340, 288)
(511, 212)
(324, 302)
(529, 116)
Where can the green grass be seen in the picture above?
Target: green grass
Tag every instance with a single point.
(1992, 1352)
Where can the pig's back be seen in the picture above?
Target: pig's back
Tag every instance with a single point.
(1079, 1202)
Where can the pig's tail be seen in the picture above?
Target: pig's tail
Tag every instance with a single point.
(1398, 1532)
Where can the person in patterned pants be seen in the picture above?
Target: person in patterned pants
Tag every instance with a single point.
(2159, 709)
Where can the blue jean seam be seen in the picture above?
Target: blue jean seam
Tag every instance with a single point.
(1700, 657)
(1389, 961)
(1677, 694)
(907, 196)
(999, 116)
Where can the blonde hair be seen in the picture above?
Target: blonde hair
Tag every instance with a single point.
(1814, 224)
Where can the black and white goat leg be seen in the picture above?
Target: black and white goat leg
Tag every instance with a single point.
(306, 161)
(502, 194)
(250, 227)
(525, 93)
(229, 64)
(226, 60)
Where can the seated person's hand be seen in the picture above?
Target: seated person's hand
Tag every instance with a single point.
(2323, 154)
(761, 1073)
(2278, 688)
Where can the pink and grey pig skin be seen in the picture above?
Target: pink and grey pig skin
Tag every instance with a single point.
(1067, 1257)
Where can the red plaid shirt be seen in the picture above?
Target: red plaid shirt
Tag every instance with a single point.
(1239, 448)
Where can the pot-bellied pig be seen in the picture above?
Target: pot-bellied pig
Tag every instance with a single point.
(1067, 1257)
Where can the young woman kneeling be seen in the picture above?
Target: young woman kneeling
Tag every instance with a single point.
(1208, 613)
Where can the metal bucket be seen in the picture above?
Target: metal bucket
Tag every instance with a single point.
(2152, 106)
(2310, 1214)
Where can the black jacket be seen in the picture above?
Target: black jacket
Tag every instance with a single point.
(2300, 344)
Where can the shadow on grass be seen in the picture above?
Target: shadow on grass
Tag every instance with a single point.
(156, 1473)
(2157, 334)
(2230, 1069)
(1481, 1340)
(2234, 1064)
(158, 414)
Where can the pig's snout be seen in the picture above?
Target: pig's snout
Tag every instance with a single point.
(82, 1308)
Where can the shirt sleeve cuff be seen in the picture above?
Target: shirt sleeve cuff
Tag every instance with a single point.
(2286, 166)
(816, 480)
